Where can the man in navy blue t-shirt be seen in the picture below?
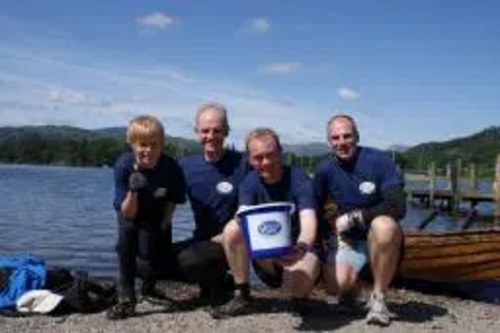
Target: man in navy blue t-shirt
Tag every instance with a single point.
(148, 185)
(364, 190)
(212, 180)
(271, 181)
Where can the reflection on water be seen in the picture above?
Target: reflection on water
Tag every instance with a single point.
(65, 216)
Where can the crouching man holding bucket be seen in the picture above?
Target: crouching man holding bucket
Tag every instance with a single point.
(275, 227)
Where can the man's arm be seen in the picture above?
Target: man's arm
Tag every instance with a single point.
(326, 208)
(393, 204)
(305, 199)
(391, 183)
(308, 226)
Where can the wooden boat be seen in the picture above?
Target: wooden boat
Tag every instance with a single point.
(452, 256)
(447, 256)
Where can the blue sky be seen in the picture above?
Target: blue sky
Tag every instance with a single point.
(408, 71)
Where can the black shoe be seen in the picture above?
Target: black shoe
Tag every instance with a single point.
(153, 295)
(150, 291)
(214, 296)
(238, 306)
(125, 308)
(300, 307)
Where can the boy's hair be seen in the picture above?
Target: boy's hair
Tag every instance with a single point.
(260, 132)
(220, 108)
(145, 126)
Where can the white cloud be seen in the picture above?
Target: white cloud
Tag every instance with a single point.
(156, 20)
(138, 98)
(259, 25)
(65, 96)
(348, 94)
(281, 67)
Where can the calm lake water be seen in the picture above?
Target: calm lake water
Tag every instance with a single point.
(65, 215)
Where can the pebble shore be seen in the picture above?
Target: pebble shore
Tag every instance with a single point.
(414, 311)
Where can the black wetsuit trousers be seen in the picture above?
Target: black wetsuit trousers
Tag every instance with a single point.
(190, 260)
(202, 262)
(149, 243)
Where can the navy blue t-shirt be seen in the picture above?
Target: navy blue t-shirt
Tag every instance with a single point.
(165, 184)
(212, 189)
(295, 187)
(357, 184)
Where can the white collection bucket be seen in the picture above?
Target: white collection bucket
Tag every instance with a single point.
(267, 229)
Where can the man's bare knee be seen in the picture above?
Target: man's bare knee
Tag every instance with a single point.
(232, 233)
(385, 231)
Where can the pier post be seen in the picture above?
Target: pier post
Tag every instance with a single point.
(472, 184)
(496, 190)
(449, 177)
(452, 173)
(432, 183)
(457, 191)
(288, 159)
(472, 178)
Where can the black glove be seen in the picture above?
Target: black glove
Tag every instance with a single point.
(137, 181)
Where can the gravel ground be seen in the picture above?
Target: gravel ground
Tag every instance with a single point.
(415, 312)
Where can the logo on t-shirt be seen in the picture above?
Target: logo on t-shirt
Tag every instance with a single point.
(367, 188)
(269, 228)
(225, 187)
(160, 192)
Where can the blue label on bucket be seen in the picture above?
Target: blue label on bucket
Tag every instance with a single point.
(269, 228)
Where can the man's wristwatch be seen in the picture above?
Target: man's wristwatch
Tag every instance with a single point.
(304, 247)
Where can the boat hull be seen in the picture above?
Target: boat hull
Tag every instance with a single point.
(452, 256)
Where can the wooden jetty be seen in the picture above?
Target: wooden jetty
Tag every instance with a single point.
(453, 195)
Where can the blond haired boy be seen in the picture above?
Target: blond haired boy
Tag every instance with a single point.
(148, 185)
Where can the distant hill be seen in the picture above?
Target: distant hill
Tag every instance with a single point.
(46, 132)
(59, 133)
(307, 149)
(74, 133)
(480, 148)
(398, 148)
(119, 132)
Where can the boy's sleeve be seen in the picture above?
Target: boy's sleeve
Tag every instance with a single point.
(177, 190)
(121, 183)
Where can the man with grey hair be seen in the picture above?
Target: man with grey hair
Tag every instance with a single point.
(212, 180)
(366, 190)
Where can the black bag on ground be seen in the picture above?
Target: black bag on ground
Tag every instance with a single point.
(86, 295)
(81, 294)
